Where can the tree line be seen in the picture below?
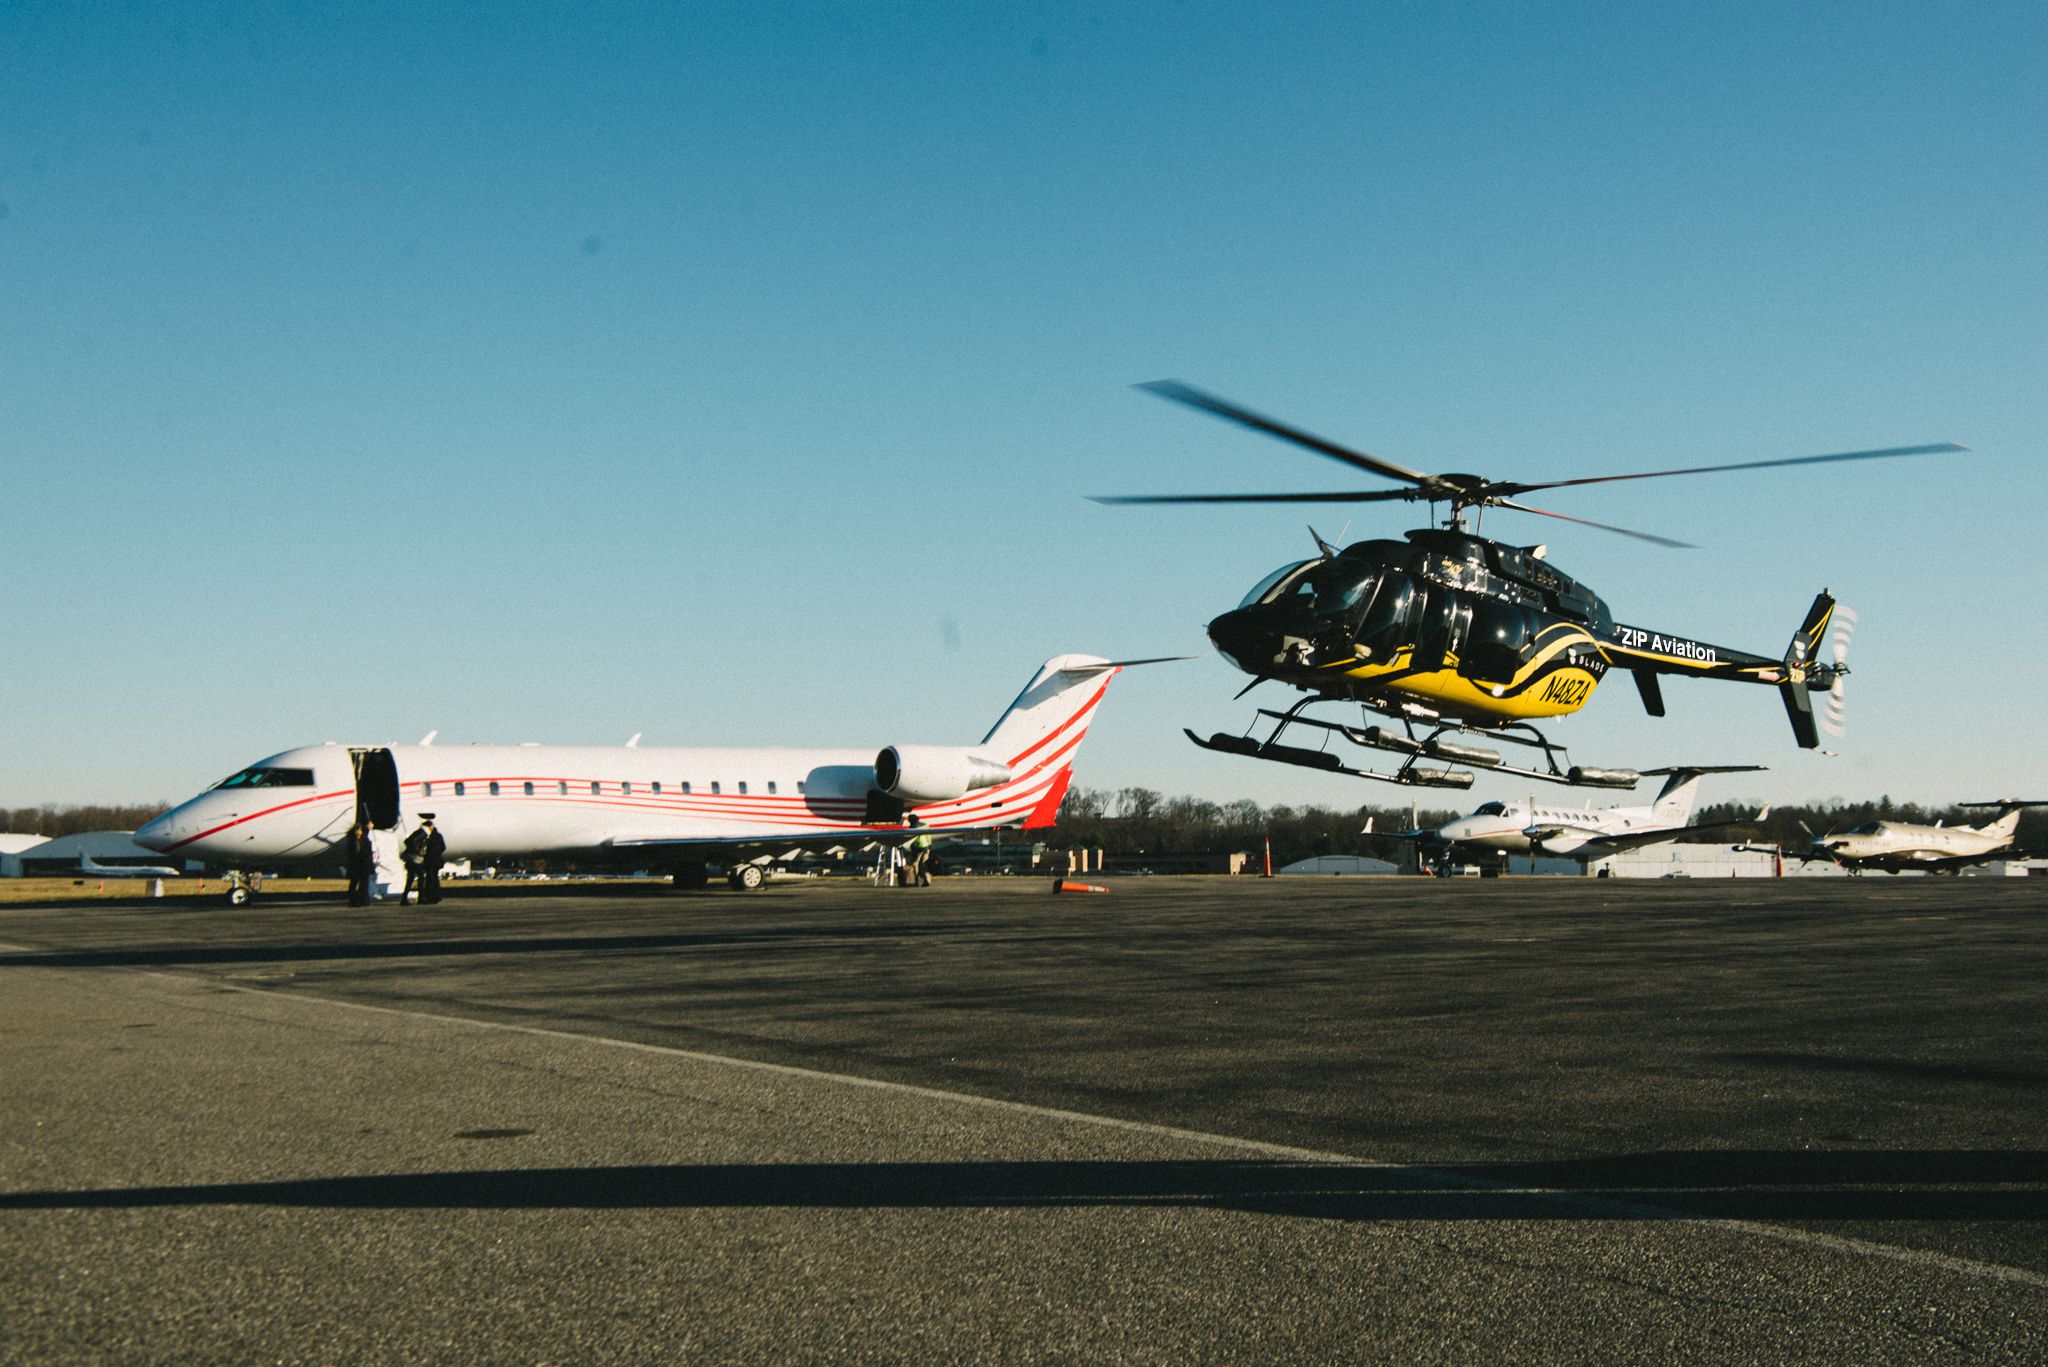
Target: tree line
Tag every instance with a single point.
(53, 821)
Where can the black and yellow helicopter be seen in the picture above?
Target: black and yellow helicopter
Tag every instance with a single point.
(1450, 632)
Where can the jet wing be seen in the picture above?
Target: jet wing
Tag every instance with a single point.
(1601, 846)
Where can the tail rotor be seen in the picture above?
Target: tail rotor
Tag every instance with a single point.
(1833, 716)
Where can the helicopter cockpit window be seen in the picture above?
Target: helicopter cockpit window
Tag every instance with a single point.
(1339, 589)
(1269, 587)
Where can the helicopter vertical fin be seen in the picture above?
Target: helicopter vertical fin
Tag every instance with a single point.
(1652, 692)
(1800, 657)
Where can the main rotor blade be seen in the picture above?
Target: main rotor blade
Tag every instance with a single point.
(1941, 448)
(1223, 408)
(1355, 496)
(1588, 522)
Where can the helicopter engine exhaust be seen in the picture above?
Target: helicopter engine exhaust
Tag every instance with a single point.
(935, 773)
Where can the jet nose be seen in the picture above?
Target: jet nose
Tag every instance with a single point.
(160, 833)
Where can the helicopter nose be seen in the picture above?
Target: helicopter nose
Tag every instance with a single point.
(1246, 639)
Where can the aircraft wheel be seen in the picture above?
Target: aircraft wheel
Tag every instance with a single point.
(239, 896)
(748, 877)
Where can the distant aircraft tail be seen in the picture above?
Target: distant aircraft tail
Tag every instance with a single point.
(1675, 802)
(2007, 822)
(1681, 790)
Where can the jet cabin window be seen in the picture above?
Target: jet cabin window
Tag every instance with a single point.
(256, 776)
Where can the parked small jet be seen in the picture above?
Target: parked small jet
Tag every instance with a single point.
(1581, 833)
(685, 810)
(88, 865)
(1894, 846)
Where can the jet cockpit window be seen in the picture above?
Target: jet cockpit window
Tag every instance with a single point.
(1867, 828)
(1269, 587)
(256, 776)
(1492, 809)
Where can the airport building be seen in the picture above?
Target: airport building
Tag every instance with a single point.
(34, 856)
(1705, 861)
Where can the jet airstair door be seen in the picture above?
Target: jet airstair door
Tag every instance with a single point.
(376, 787)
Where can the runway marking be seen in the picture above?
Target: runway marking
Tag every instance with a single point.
(1834, 1243)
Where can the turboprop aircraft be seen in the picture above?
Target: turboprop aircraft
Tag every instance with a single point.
(1894, 846)
(686, 810)
(1584, 833)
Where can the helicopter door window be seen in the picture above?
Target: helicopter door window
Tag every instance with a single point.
(1381, 629)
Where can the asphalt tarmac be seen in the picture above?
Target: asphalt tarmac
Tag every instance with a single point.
(1364, 1118)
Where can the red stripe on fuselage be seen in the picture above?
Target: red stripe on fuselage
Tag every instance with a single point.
(257, 816)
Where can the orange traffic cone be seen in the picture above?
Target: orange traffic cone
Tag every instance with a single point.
(1064, 885)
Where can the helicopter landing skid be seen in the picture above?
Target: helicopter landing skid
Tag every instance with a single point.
(1412, 771)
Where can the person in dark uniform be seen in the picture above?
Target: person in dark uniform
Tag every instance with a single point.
(361, 860)
(424, 854)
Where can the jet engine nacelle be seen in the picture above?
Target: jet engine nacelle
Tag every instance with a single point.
(935, 773)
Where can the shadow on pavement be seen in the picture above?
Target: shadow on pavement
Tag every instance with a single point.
(1968, 1185)
(171, 956)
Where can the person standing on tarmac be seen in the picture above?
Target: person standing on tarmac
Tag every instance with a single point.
(425, 851)
(921, 861)
(361, 859)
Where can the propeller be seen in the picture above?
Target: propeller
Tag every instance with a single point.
(1461, 491)
(1834, 715)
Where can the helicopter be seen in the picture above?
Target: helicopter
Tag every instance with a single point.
(1449, 632)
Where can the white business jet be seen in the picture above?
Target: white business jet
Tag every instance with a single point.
(682, 809)
(1588, 833)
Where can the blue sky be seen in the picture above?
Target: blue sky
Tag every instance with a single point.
(735, 374)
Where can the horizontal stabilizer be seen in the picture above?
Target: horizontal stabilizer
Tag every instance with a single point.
(1099, 666)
